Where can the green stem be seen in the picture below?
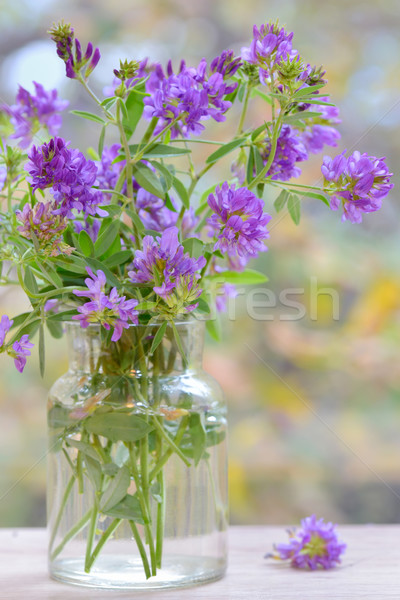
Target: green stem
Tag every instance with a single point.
(244, 111)
(160, 464)
(95, 98)
(144, 505)
(104, 538)
(160, 518)
(139, 154)
(141, 549)
(91, 534)
(72, 533)
(79, 472)
(60, 513)
(170, 441)
(272, 153)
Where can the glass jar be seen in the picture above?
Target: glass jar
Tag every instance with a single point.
(137, 478)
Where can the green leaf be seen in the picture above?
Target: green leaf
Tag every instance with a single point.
(294, 208)
(181, 191)
(85, 243)
(300, 116)
(96, 265)
(110, 469)
(213, 327)
(116, 427)
(225, 149)
(109, 102)
(306, 91)
(203, 306)
(194, 246)
(197, 434)
(119, 258)
(134, 109)
(179, 343)
(246, 277)
(124, 111)
(83, 447)
(281, 200)
(158, 337)
(129, 508)
(136, 220)
(88, 115)
(155, 491)
(94, 471)
(101, 140)
(258, 92)
(148, 180)
(42, 353)
(250, 165)
(30, 281)
(316, 195)
(59, 417)
(258, 131)
(146, 306)
(116, 489)
(166, 175)
(55, 328)
(160, 151)
(106, 239)
(214, 436)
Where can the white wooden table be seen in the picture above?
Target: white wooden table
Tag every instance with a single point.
(370, 569)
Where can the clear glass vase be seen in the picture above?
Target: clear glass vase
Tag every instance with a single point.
(137, 479)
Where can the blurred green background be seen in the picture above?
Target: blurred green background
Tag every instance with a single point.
(314, 402)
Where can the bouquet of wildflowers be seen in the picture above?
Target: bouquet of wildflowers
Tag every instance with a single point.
(121, 236)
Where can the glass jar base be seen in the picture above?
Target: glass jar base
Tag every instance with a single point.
(116, 572)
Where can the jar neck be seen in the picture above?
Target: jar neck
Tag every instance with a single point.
(90, 351)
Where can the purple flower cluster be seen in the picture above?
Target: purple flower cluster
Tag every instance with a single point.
(47, 227)
(322, 133)
(290, 150)
(92, 228)
(32, 111)
(314, 545)
(226, 63)
(238, 222)
(187, 97)
(69, 175)
(109, 310)
(172, 273)
(75, 61)
(357, 183)
(20, 349)
(271, 44)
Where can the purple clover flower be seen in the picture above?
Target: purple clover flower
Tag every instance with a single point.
(20, 350)
(5, 326)
(358, 184)
(270, 45)
(226, 64)
(109, 310)
(189, 96)
(322, 133)
(314, 545)
(3, 177)
(33, 111)
(108, 171)
(69, 175)
(64, 37)
(238, 222)
(173, 274)
(290, 150)
(47, 227)
(91, 228)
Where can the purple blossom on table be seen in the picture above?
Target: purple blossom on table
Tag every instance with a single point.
(314, 545)
(68, 174)
(189, 97)
(41, 222)
(172, 273)
(20, 350)
(110, 310)
(290, 150)
(70, 51)
(33, 111)
(238, 222)
(358, 184)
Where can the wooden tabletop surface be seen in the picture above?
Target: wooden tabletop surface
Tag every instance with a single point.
(370, 569)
